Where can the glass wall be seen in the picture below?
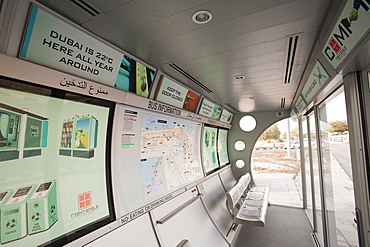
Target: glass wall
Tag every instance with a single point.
(328, 173)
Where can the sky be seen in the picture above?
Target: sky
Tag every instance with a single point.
(335, 110)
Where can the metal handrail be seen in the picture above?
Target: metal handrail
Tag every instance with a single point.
(177, 210)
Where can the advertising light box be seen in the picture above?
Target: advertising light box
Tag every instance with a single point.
(299, 104)
(54, 43)
(226, 116)
(210, 109)
(209, 149)
(172, 93)
(351, 26)
(155, 155)
(45, 193)
(134, 76)
(223, 154)
(315, 81)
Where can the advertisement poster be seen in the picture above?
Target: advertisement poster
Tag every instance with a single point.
(156, 154)
(223, 154)
(209, 149)
(352, 25)
(293, 115)
(52, 167)
(54, 43)
(316, 80)
(299, 104)
(209, 109)
(226, 116)
(172, 93)
(134, 77)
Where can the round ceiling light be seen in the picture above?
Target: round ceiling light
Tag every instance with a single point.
(202, 17)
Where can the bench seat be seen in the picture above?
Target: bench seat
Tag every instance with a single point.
(246, 203)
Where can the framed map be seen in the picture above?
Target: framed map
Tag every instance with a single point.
(156, 154)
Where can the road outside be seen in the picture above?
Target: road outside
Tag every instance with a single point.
(340, 151)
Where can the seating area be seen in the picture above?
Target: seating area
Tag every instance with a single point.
(248, 204)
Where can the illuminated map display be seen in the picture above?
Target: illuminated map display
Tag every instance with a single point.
(155, 154)
(168, 155)
(209, 149)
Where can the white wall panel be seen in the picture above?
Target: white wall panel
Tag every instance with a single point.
(192, 223)
(136, 233)
(227, 178)
(214, 200)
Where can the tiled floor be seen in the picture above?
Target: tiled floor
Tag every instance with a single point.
(286, 189)
(283, 188)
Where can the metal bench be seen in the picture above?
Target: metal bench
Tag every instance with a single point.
(247, 204)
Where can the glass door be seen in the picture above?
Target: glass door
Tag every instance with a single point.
(308, 172)
(337, 172)
(316, 179)
(313, 180)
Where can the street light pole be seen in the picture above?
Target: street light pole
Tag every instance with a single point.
(289, 154)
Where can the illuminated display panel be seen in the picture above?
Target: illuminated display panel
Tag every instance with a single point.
(50, 41)
(223, 154)
(172, 93)
(155, 155)
(226, 116)
(134, 76)
(210, 109)
(54, 158)
(209, 149)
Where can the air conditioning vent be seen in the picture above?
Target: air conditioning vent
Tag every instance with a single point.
(190, 77)
(232, 108)
(85, 6)
(291, 50)
(282, 103)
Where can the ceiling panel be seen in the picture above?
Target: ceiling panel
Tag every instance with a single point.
(244, 38)
(107, 6)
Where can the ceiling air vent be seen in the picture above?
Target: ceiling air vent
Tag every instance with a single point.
(190, 77)
(282, 103)
(85, 6)
(232, 108)
(291, 50)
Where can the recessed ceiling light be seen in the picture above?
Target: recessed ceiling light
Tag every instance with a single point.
(239, 77)
(202, 17)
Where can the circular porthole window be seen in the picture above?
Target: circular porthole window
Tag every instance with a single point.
(248, 123)
(240, 163)
(239, 145)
